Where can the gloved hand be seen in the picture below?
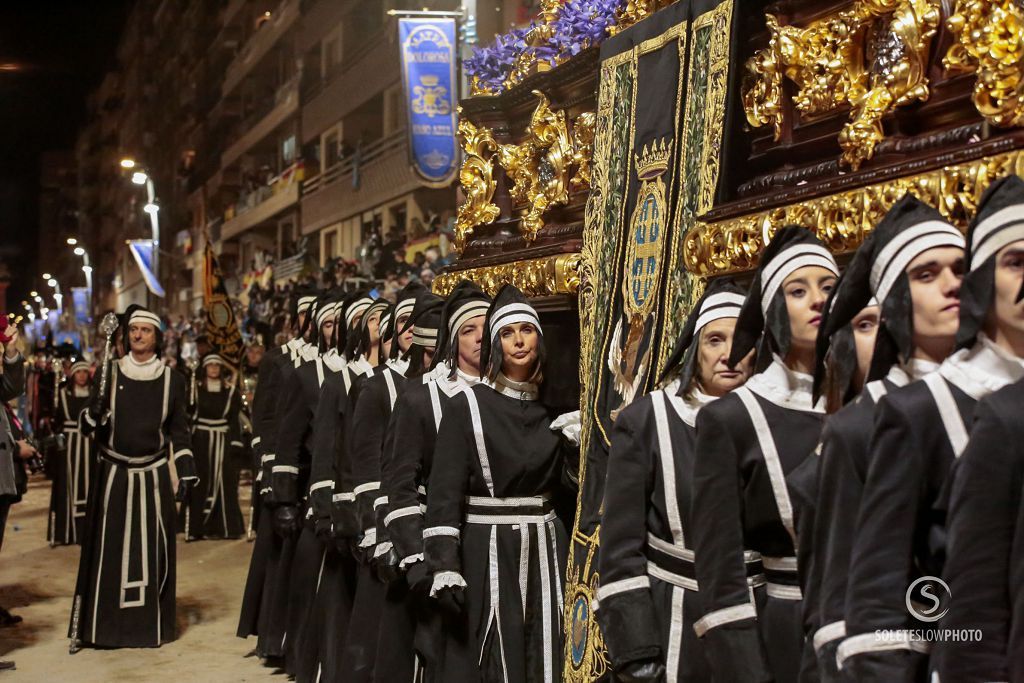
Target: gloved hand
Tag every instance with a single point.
(287, 520)
(324, 529)
(184, 490)
(418, 577)
(642, 671)
(385, 566)
(96, 409)
(451, 601)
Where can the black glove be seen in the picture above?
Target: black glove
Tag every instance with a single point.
(287, 520)
(323, 529)
(450, 602)
(642, 671)
(418, 577)
(184, 490)
(96, 409)
(385, 566)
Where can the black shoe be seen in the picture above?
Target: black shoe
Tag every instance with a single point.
(8, 619)
(7, 665)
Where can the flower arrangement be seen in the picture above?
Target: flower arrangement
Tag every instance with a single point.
(576, 26)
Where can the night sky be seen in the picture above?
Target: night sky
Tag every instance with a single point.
(62, 50)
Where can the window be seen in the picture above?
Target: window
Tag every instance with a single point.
(330, 54)
(330, 142)
(394, 117)
(288, 150)
(329, 244)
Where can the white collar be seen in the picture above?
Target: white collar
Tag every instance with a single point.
(309, 351)
(785, 388)
(334, 360)
(452, 386)
(213, 385)
(903, 374)
(142, 372)
(687, 407)
(399, 365)
(80, 392)
(524, 391)
(983, 368)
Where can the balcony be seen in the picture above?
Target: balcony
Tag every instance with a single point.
(260, 43)
(371, 72)
(266, 202)
(283, 106)
(384, 173)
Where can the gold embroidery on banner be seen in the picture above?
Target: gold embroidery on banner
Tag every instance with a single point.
(842, 220)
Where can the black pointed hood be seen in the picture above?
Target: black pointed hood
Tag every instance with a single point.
(999, 222)
(466, 301)
(723, 298)
(764, 322)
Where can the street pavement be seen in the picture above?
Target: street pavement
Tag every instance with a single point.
(37, 583)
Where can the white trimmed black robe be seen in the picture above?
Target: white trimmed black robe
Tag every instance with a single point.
(920, 431)
(748, 442)
(74, 472)
(648, 600)
(125, 592)
(491, 527)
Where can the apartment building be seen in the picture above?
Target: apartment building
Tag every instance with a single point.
(267, 127)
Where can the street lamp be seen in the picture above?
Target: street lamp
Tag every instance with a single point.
(58, 296)
(140, 177)
(87, 269)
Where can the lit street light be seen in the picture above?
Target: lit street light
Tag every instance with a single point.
(140, 177)
(72, 241)
(87, 269)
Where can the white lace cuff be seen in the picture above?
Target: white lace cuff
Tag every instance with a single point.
(411, 560)
(382, 549)
(446, 580)
(369, 539)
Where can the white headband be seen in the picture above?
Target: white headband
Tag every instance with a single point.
(789, 261)
(213, 358)
(424, 336)
(325, 312)
(995, 232)
(718, 306)
(404, 307)
(513, 313)
(143, 316)
(355, 309)
(304, 303)
(465, 312)
(76, 366)
(895, 256)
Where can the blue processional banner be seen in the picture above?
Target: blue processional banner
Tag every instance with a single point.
(142, 250)
(430, 87)
(80, 300)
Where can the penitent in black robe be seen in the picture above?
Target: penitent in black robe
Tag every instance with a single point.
(748, 443)
(370, 413)
(649, 600)
(73, 475)
(491, 528)
(213, 510)
(410, 629)
(920, 431)
(125, 592)
(985, 567)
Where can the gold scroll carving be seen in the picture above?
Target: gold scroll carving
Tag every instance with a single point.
(477, 179)
(535, 277)
(539, 168)
(989, 43)
(842, 220)
(637, 10)
(871, 57)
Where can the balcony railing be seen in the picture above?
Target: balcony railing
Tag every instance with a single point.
(264, 203)
(264, 120)
(347, 166)
(281, 19)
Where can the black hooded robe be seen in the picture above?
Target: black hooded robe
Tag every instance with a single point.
(124, 596)
(73, 476)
